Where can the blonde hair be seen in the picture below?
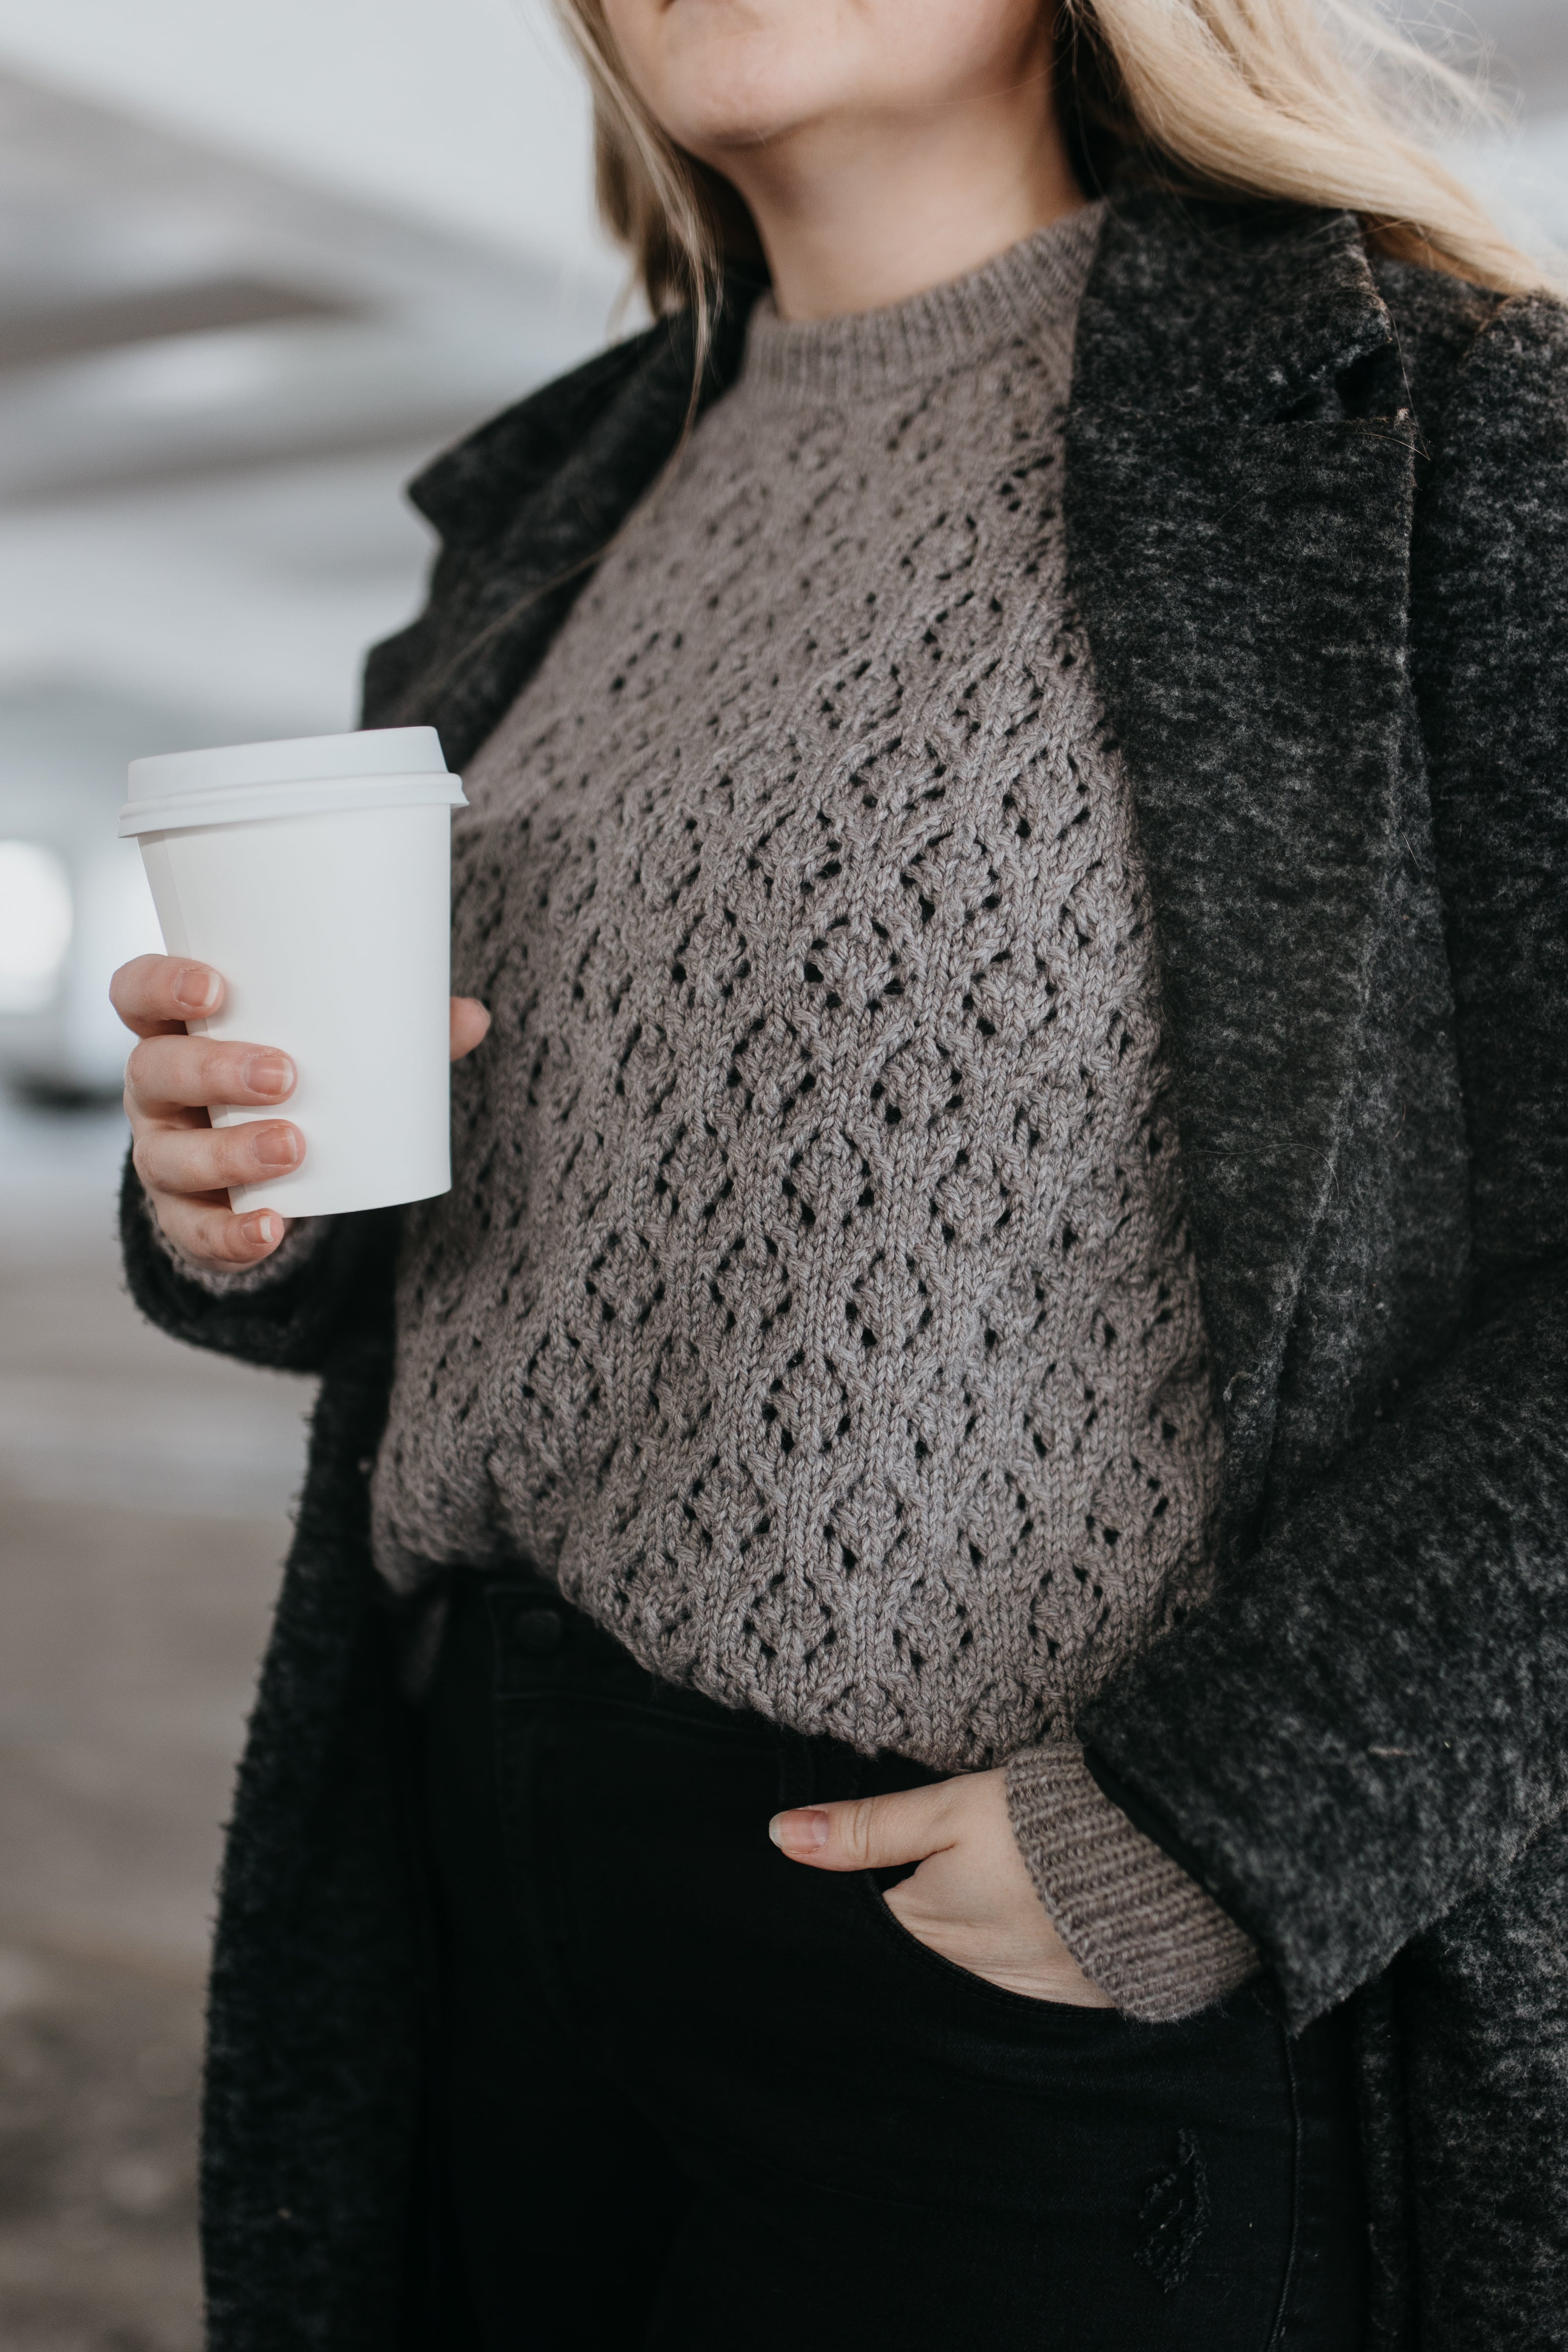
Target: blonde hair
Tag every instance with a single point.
(1316, 102)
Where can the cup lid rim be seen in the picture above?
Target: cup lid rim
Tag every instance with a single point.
(312, 796)
(295, 759)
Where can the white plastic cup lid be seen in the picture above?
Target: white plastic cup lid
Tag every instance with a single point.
(374, 767)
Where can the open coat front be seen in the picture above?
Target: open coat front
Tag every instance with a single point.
(1318, 518)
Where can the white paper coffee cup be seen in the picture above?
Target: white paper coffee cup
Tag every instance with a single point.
(315, 874)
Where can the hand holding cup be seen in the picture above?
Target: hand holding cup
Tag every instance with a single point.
(187, 1164)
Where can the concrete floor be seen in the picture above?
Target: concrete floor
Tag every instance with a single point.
(144, 1500)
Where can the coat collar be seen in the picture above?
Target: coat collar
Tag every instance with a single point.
(525, 507)
(1238, 312)
(1238, 509)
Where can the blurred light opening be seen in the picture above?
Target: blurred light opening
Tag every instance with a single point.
(35, 925)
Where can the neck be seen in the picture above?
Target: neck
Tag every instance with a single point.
(855, 213)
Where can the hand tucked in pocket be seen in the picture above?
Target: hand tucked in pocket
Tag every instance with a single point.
(972, 1899)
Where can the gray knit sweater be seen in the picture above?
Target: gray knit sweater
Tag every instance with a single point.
(813, 1299)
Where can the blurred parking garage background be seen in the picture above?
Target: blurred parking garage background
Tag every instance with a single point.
(257, 262)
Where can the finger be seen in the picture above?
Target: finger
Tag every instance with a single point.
(195, 1159)
(868, 1833)
(471, 1025)
(153, 993)
(215, 1238)
(172, 1070)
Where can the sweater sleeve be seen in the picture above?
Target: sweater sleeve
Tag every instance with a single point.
(1132, 1919)
(304, 1238)
(293, 1318)
(1371, 1728)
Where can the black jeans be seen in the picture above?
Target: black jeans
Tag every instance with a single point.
(691, 2096)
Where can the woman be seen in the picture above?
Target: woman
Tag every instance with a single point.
(1000, 1312)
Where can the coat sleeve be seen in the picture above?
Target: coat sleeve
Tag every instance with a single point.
(1374, 1723)
(293, 1324)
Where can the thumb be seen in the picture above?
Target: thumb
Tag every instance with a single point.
(471, 1025)
(866, 1832)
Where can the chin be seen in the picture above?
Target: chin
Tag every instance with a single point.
(727, 74)
(734, 113)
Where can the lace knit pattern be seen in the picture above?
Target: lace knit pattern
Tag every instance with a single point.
(813, 1298)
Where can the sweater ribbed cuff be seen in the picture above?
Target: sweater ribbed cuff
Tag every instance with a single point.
(301, 1242)
(1133, 1920)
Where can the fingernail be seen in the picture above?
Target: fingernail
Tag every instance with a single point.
(196, 989)
(268, 1073)
(263, 1230)
(800, 1833)
(275, 1147)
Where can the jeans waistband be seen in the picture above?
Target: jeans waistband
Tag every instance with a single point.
(544, 1645)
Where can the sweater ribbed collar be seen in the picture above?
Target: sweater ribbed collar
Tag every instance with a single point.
(1033, 289)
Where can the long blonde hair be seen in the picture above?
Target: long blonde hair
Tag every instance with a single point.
(1316, 102)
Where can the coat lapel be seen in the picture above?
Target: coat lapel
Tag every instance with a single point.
(1240, 484)
(524, 508)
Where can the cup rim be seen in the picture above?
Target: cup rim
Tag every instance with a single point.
(186, 812)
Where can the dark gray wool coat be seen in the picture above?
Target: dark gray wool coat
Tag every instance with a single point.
(1318, 513)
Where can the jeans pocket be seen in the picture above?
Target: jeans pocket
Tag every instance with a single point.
(940, 1972)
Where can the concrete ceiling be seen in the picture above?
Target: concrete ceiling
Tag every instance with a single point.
(466, 113)
(214, 379)
(167, 310)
